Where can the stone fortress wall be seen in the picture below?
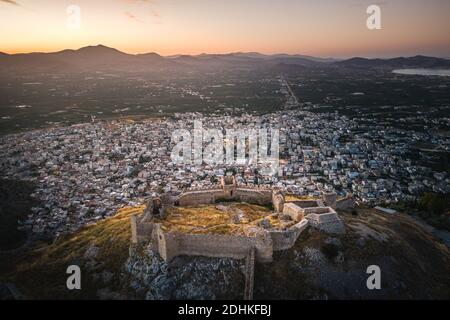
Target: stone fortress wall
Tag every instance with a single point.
(171, 244)
(285, 239)
(229, 191)
(265, 240)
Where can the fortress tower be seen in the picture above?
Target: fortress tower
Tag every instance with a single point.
(330, 199)
(278, 201)
(229, 186)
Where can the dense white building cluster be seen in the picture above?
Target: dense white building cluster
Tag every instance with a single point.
(85, 172)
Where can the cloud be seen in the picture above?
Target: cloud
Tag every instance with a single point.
(15, 3)
(132, 16)
(150, 4)
(155, 13)
(131, 1)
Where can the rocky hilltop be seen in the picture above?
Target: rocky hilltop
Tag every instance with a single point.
(414, 265)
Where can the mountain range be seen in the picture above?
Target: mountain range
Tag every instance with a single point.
(400, 62)
(102, 58)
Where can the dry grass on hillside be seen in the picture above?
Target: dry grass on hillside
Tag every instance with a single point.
(41, 272)
(293, 197)
(277, 223)
(218, 219)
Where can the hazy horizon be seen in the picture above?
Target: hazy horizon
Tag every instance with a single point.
(225, 53)
(321, 28)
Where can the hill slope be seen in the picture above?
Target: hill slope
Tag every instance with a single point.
(91, 58)
(102, 58)
(414, 265)
(401, 62)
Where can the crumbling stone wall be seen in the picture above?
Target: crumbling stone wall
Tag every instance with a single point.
(318, 210)
(299, 208)
(193, 198)
(296, 213)
(172, 244)
(209, 196)
(285, 239)
(322, 217)
(308, 203)
(278, 201)
(140, 230)
(256, 196)
(345, 203)
(328, 221)
(330, 199)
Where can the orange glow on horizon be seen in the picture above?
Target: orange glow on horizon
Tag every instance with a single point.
(317, 28)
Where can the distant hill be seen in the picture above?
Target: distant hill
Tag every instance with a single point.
(84, 59)
(247, 59)
(299, 56)
(401, 62)
(102, 58)
(256, 55)
(281, 56)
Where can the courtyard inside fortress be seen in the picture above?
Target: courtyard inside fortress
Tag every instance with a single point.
(232, 218)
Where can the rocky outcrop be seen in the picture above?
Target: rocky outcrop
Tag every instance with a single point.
(186, 278)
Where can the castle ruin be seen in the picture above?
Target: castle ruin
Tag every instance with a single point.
(259, 245)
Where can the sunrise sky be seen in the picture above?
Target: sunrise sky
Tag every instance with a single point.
(326, 28)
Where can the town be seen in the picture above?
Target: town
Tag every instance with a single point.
(85, 172)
